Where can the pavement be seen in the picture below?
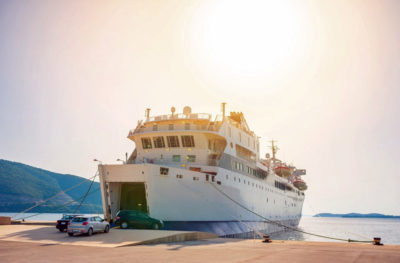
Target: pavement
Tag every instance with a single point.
(28, 249)
(115, 238)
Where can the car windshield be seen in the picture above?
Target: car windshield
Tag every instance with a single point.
(79, 219)
(68, 217)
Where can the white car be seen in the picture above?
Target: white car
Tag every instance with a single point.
(87, 225)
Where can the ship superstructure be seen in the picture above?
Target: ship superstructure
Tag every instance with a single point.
(199, 173)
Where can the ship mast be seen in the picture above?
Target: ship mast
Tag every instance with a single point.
(274, 149)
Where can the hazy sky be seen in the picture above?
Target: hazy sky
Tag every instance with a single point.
(321, 77)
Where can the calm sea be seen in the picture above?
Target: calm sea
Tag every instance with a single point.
(353, 228)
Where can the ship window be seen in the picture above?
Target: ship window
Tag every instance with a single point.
(170, 127)
(146, 143)
(187, 126)
(176, 158)
(179, 176)
(227, 177)
(173, 141)
(159, 142)
(191, 158)
(164, 171)
(155, 127)
(239, 180)
(187, 141)
(195, 178)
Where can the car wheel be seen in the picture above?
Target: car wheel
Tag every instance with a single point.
(90, 232)
(70, 234)
(156, 226)
(124, 225)
(106, 229)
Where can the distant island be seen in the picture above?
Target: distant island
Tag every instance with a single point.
(356, 215)
(23, 186)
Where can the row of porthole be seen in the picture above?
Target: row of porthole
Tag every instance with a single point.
(248, 183)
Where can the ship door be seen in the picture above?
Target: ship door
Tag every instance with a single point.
(133, 197)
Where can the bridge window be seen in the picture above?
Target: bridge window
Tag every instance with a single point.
(155, 127)
(173, 141)
(176, 158)
(146, 143)
(159, 142)
(187, 141)
(191, 158)
(187, 126)
(170, 127)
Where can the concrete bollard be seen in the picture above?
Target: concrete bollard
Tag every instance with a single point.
(5, 220)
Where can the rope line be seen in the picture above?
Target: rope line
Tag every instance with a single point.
(232, 215)
(61, 206)
(84, 197)
(288, 227)
(54, 196)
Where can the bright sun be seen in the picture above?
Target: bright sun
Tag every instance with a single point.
(250, 36)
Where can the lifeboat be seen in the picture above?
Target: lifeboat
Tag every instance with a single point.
(300, 184)
(283, 171)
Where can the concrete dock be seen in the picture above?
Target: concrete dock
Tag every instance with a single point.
(31, 243)
(45, 234)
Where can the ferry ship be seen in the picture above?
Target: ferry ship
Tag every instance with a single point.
(199, 173)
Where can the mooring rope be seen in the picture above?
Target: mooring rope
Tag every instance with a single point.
(54, 196)
(61, 206)
(232, 215)
(285, 226)
(84, 197)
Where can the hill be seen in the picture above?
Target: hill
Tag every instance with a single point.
(356, 215)
(22, 186)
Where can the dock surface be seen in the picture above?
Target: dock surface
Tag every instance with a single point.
(115, 238)
(23, 246)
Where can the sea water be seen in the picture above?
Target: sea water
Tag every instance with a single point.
(364, 229)
(345, 228)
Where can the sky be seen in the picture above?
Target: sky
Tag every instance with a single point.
(320, 77)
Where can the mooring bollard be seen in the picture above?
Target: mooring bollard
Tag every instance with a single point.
(377, 241)
(267, 239)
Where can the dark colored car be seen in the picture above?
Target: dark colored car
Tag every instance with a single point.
(136, 219)
(62, 224)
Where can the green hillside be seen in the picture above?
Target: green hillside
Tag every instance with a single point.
(22, 186)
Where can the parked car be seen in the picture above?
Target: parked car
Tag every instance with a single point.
(62, 224)
(87, 225)
(137, 219)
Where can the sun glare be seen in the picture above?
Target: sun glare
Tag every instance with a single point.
(250, 37)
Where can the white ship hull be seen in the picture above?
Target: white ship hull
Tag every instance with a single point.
(227, 203)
